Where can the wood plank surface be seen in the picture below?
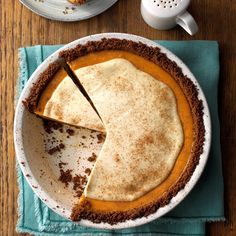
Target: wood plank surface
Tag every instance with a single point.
(20, 27)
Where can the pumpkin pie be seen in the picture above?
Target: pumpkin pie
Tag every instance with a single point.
(151, 116)
(77, 1)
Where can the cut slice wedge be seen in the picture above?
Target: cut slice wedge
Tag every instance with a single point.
(62, 101)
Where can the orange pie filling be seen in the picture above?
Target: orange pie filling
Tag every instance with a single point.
(183, 110)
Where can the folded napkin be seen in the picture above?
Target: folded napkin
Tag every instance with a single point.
(203, 204)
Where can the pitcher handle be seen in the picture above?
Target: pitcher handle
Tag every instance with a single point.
(187, 22)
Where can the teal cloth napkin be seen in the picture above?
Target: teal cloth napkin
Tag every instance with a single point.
(203, 204)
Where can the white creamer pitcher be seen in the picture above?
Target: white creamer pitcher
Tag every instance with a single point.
(166, 14)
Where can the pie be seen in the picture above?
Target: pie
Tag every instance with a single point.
(77, 1)
(151, 115)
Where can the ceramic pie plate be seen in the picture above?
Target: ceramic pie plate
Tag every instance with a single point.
(41, 170)
(62, 10)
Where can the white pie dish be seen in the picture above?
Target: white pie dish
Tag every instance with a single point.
(30, 150)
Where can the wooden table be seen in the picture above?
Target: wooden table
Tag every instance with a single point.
(20, 27)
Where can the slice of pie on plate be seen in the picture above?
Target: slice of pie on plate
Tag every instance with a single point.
(151, 115)
(77, 1)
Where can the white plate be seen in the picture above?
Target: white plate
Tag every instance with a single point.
(42, 168)
(62, 10)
